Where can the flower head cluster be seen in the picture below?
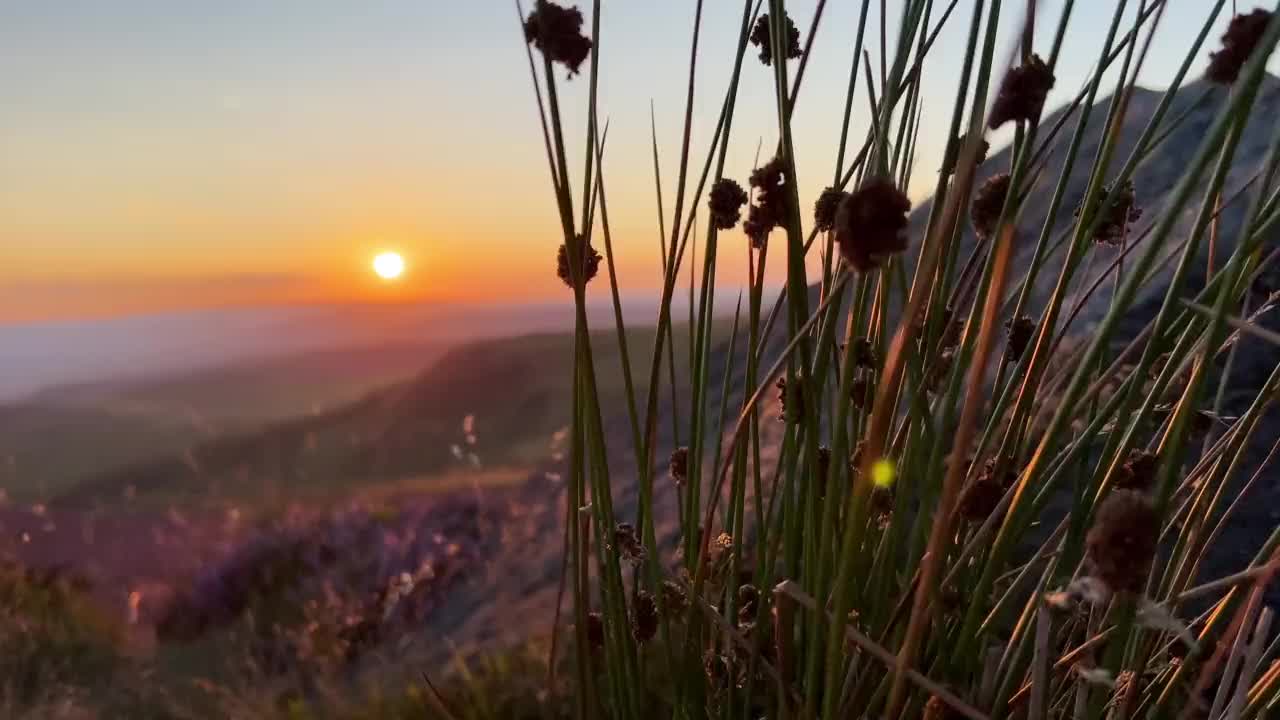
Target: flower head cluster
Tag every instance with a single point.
(824, 210)
(1138, 471)
(1242, 36)
(762, 39)
(590, 264)
(557, 32)
(871, 224)
(770, 210)
(1020, 333)
(987, 204)
(1122, 541)
(678, 467)
(1022, 93)
(626, 541)
(725, 202)
(644, 617)
(1115, 219)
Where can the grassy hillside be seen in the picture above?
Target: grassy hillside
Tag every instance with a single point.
(59, 436)
(493, 403)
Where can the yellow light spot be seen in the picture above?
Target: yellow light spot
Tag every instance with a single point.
(388, 265)
(883, 472)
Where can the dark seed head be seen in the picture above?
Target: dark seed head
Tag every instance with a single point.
(1021, 331)
(824, 210)
(595, 630)
(557, 32)
(1113, 221)
(748, 604)
(1138, 471)
(864, 354)
(822, 469)
(725, 202)
(674, 598)
(952, 157)
(770, 209)
(590, 264)
(679, 466)
(871, 224)
(1022, 93)
(980, 498)
(988, 201)
(1122, 541)
(644, 617)
(627, 543)
(761, 38)
(1242, 36)
(935, 709)
(790, 399)
(860, 391)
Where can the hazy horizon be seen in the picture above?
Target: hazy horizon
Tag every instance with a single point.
(168, 158)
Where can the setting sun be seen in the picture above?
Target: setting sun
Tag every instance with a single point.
(388, 265)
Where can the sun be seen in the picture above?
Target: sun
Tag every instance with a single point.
(388, 265)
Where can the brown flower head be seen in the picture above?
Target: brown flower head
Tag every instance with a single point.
(716, 666)
(761, 38)
(679, 466)
(951, 157)
(860, 391)
(940, 369)
(936, 709)
(748, 605)
(1113, 222)
(595, 630)
(824, 210)
(883, 498)
(871, 224)
(864, 354)
(790, 401)
(725, 201)
(644, 617)
(590, 264)
(1122, 541)
(1138, 471)
(980, 498)
(1242, 36)
(770, 210)
(627, 543)
(822, 469)
(988, 202)
(674, 598)
(1022, 93)
(557, 32)
(1020, 333)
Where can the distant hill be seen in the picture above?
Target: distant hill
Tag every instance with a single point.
(490, 403)
(60, 435)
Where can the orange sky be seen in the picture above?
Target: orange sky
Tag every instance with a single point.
(164, 156)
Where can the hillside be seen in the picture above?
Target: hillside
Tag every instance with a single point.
(114, 423)
(489, 403)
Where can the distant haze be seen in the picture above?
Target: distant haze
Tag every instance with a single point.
(40, 355)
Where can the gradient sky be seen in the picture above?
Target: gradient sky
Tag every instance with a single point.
(159, 155)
